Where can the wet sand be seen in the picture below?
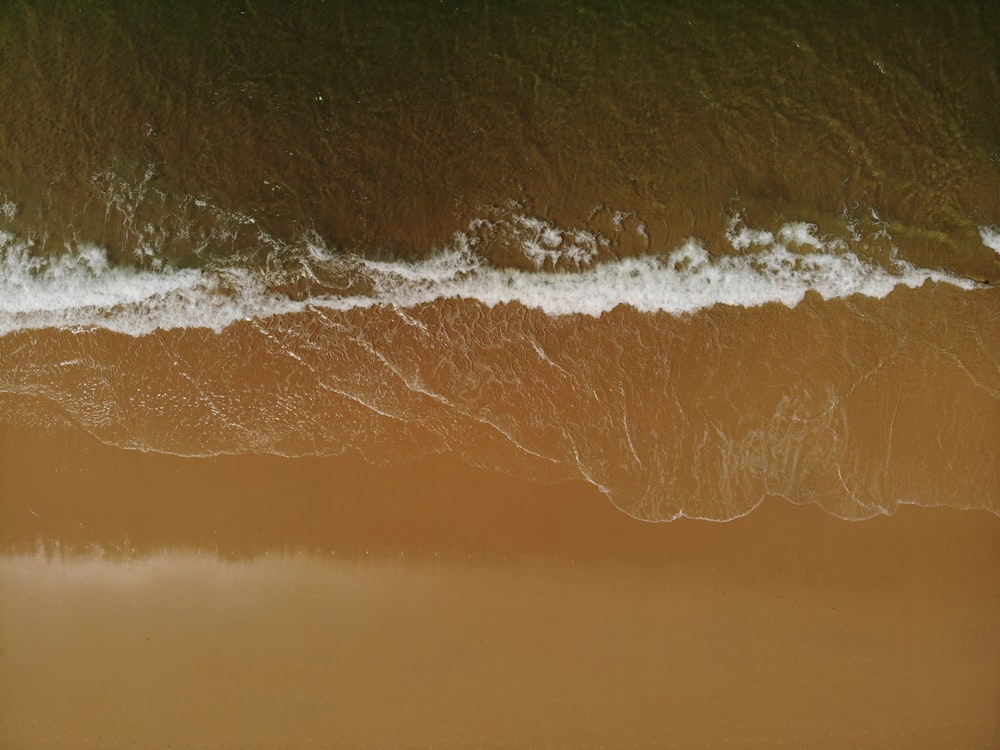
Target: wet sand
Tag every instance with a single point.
(260, 602)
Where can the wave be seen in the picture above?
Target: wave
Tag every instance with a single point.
(555, 369)
(82, 288)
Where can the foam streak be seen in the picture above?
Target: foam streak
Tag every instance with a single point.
(83, 290)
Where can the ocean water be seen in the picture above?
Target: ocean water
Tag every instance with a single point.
(697, 256)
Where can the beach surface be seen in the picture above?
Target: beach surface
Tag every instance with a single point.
(260, 602)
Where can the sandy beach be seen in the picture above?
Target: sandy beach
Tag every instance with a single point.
(257, 602)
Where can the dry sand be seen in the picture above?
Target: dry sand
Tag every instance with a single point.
(257, 602)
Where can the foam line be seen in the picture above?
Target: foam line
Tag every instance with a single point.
(81, 289)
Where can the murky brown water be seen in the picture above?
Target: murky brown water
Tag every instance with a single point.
(387, 127)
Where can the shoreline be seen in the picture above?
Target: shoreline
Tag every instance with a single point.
(255, 602)
(64, 493)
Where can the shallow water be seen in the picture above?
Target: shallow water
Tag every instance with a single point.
(693, 256)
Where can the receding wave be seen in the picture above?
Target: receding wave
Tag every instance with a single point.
(695, 381)
(561, 274)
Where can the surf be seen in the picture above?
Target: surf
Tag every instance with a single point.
(563, 271)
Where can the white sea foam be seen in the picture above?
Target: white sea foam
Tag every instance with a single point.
(991, 238)
(8, 209)
(742, 237)
(547, 245)
(82, 289)
(686, 281)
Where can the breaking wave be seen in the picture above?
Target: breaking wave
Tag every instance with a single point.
(561, 275)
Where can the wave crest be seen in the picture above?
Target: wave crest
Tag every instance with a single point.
(82, 289)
